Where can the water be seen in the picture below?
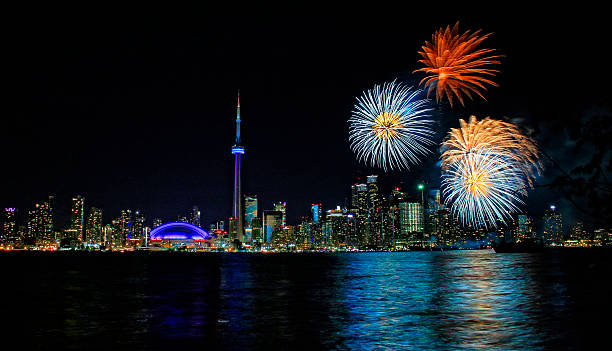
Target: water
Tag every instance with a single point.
(413, 300)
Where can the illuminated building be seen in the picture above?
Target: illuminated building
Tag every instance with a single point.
(524, 227)
(374, 235)
(157, 222)
(553, 225)
(316, 210)
(360, 202)
(137, 228)
(237, 227)
(77, 216)
(282, 207)
(181, 232)
(195, 216)
(272, 224)
(125, 227)
(334, 228)
(256, 230)
(40, 223)
(10, 234)
(94, 226)
(250, 212)
(411, 222)
(107, 237)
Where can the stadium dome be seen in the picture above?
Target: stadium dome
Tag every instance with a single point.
(179, 231)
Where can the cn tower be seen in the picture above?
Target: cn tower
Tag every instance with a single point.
(237, 151)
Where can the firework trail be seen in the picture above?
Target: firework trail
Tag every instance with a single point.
(454, 66)
(390, 126)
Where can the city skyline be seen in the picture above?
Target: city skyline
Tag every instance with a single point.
(148, 130)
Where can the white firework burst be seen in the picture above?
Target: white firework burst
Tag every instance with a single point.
(390, 127)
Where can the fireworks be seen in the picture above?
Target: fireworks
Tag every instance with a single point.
(501, 138)
(389, 126)
(454, 65)
(487, 167)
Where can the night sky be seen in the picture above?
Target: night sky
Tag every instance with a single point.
(135, 107)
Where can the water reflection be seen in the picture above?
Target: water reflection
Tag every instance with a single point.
(415, 300)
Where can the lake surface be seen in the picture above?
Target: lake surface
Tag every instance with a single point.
(409, 300)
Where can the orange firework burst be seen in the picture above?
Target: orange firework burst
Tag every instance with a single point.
(454, 66)
(503, 139)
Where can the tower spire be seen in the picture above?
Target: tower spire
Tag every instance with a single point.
(236, 221)
(238, 120)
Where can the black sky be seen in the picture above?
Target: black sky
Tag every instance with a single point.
(135, 107)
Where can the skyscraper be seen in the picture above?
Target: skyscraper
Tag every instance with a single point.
(195, 216)
(553, 225)
(124, 231)
(77, 216)
(282, 207)
(316, 210)
(94, 226)
(9, 227)
(237, 227)
(137, 230)
(272, 224)
(250, 212)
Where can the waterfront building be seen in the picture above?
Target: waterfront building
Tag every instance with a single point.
(137, 228)
(93, 231)
(10, 234)
(272, 224)
(281, 206)
(524, 228)
(250, 212)
(125, 227)
(316, 211)
(411, 223)
(77, 216)
(553, 225)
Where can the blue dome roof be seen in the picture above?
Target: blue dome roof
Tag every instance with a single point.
(179, 231)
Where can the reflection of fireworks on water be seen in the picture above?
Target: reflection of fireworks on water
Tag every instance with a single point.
(454, 65)
(389, 126)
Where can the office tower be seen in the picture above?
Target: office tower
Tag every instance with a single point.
(10, 234)
(236, 222)
(107, 236)
(411, 221)
(125, 227)
(77, 217)
(524, 227)
(250, 212)
(316, 211)
(256, 230)
(40, 223)
(195, 216)
(137, 230)
(578, 232)
(117, 231)
(94, 226)
(282, 207)
(334, 229)
(272, 224)
(374, 216)
(553, 225)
